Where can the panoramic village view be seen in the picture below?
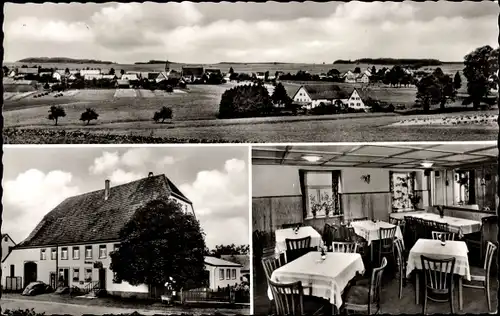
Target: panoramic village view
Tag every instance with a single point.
(125, 230)
(243, 72)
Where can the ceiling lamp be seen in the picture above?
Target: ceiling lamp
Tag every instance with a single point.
(311, 158)
(426, 164)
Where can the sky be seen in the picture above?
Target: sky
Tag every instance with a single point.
(214, 178)
(307, 32)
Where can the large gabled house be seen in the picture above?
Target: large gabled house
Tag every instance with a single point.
(72, 243)
(192, 74)
(311, 96)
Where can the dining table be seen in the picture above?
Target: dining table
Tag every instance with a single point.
(457, 225)
(436, 250)
(369, 230)
(326, 277)
(292, 233)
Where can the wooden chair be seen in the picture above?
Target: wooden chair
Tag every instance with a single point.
(488, 232)
(438, 280)
(428, 228)
(366, 298)
(270, 264)
(359, 219)
(345, 247)
(447, 235)
(329, 232)
(420, 228)
(296, 248)
(289, 299)
(291, 225)
(345, 233)
(386, 242)
(482, 275)
(398, 222)
(410, 231)
(401, 262)
(442, 227)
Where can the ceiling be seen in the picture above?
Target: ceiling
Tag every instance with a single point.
(399, 156)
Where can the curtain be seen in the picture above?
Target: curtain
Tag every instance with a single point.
(402, 186)
(320, 193)
(302, 177)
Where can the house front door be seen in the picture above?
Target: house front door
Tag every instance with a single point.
(64, 277)
(102, 278)
(53, 280)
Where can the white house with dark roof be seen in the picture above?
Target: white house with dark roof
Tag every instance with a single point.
(311, 96)
(222, 273)
(71, 245)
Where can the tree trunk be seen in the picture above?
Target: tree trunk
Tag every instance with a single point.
(442, 103)
(476, 103)
(56, 121)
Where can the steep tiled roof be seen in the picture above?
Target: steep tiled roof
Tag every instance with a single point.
(27, 70)
(326, 91)
(243, 260)
(291, 89)
(90, 217)
(192, 71)
(213, 261)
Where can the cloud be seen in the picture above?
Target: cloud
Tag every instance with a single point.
(120, 176)
(32, 194)
(136, 157)
(106, 162)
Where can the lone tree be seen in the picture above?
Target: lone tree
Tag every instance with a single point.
(446, 86)
(231, 70)
(66, 71)
(245, 101)
(55, 112)
(480, 65)
(89, 115)
(111, 71)
(160, 242)
(122, 71)
(357, 70)
(428, 92)
(280, 96)
(224, 250)
(164, 114)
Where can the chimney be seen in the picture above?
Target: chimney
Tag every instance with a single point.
(106, 190)
(150, 174)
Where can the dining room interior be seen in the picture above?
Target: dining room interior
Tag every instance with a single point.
(391, 228)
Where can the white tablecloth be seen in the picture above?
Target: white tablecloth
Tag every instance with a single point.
(460, 226)
(369, 230)
(433, 249)
(282, 234)
(328, 278)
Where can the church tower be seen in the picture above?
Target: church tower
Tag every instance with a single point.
(167, 66)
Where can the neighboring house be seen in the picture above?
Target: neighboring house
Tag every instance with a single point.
(222, 273)
(121, 83)
(311, 96)
(260, 75)
(130, 77)
(368, 72)
(74, 240)
(7, 244)
(90, 72)
(243, 260)
(109, 77)
(191, 74)
(27, 71)
(91, 77)
(350, 77)
(59, 74)
(363, 78)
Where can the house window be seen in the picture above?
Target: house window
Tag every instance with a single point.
(233, 276)
(465, 187)
(221, 274)
(115, 247)
(88, 252)
(88, 275)
(76, 275)
(228, 274)
(12, 270)
(43, 255)
(116, 279)
(64, 253)
(102, 251)
(320, 193)
(6, 239)
(402, 185)
(53, 254)
(76, 253)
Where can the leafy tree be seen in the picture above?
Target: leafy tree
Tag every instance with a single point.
(231, 70)
(122, 72)
(457, 81)
(480, 65)
(280, 96)
(373, 71)
(245, 101)
(89, 115)
(165, 113)
(224, 250)
(55, 112)
(357, 70)
(112, 71)
(66, 71)
(160, 242)
(334, 73)
(428, 92)
(5, 71)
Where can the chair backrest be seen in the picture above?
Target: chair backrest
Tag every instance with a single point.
(359, 219)
(328, 233)
(376, 283)
(442, 227)
(439, 235)
(270, 264)
(399, 251)
(387, 233)
(344, 233)
(489, 228)
(490, 250)
(291, 225)
(298, 243)
(394, 221)
(438, 273)
(346, 247)
(288, 298)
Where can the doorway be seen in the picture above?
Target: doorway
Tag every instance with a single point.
(30, 272)
(63, 280)
(53, 280)
(102, 278)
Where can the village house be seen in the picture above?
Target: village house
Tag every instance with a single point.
(311, 96)
(244, 261)
(84, 72)
(7, 244)
(192, 74)
(122, 84)
(60, 74)
(350, 77)
(72, 243)
(260, 75)
(24, 73)
(222, 273)
(90, 77)
(130, 77)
